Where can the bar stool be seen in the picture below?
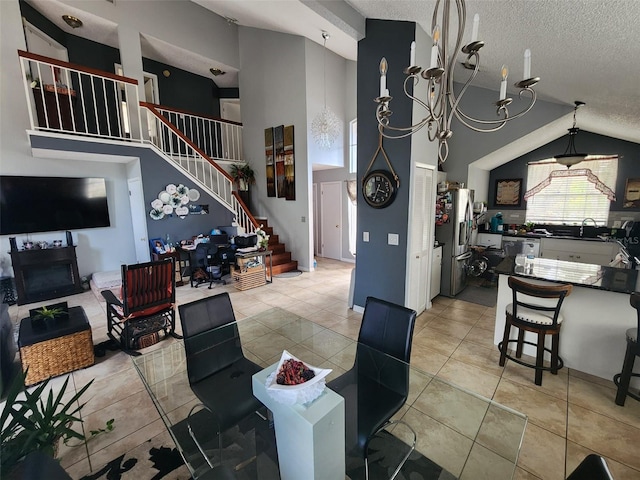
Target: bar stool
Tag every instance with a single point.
(633, 350)
(543, 319)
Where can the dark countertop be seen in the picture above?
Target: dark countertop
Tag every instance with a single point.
(619, 280)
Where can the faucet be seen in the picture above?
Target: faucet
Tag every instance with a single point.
(584, 222)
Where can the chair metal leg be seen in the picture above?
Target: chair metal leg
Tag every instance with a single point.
(195, 440)
(623, 379)
(404, 459)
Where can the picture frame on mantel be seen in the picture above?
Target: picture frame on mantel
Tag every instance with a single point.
(508, 192)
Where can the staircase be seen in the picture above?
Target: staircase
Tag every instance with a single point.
(281, 258)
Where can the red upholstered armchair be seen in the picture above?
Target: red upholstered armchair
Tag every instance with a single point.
(146, 307)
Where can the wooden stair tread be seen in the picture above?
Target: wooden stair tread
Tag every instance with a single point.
(285, 267)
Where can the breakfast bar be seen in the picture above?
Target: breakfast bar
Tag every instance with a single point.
(596, 314)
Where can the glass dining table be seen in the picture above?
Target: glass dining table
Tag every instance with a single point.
(460, 435)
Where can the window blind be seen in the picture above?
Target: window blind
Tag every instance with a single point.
(568, 197)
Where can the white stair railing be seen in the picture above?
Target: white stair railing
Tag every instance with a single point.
(67, 98)
(219, 139)
(193, 162)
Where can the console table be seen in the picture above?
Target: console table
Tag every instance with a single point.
(44, 274)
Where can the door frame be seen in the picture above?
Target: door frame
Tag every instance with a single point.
(322, 218)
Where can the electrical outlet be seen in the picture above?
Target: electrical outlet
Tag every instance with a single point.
(303, 219)
(393, 239)
(365, 236)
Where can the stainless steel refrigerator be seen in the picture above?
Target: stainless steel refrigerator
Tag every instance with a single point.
(454, 223)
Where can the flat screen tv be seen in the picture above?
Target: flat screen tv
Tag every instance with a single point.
(48, 204)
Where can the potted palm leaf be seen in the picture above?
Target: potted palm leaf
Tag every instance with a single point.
(34, 421)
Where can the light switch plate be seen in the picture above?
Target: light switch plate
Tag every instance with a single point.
(365, 236)
(393, 239)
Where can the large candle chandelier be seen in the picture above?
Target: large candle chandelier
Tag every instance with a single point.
(442, 103)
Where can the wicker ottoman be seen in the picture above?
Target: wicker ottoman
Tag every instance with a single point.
(62, 347)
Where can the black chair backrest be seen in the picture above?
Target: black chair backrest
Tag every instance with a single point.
(386, 330)
(208, 347)
(557, 292)
(205, 254)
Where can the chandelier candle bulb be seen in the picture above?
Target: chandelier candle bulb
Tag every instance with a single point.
(412, 60)
(476, 24)
(503, 85)
(383, 76)
(527, 64)
(434, 49)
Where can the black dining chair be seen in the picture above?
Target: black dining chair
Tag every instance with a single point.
(219, 373)
(592, 467)
(377, 385)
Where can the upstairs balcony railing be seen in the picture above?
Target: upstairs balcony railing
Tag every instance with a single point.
(220, 139)
(68, 98)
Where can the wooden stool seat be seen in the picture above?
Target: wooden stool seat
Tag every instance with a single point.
(623, 378)
(542, 319)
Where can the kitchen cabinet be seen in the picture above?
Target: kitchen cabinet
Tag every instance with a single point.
(436, 272)
(489, 240)
(581, 251)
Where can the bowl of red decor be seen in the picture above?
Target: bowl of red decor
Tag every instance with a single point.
(295, 381)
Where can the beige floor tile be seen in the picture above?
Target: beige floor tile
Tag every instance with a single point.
(472, 308)
(113, 362)
(605, 382)
(601, 399)
(543, 410)
(426, 359)
(345, 357)
(522, 474)
(323, 317)
(481, 336)
(269, 345)
(609, 437)
(450, 327)
(555, 385)
(460, 315)
(299, 329)
(487, 321)
(348, 328)
(435, 340)
(502, 432)
(542, 453)
(107, 390)
(577, 453)
(452, 407)
(439, 443)
(250, 329)
(469, 377)
(327, 343)
(483, 464)
(418, 381)
(306, 355)
(480, 356)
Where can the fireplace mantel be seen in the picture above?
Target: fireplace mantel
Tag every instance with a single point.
(44, 274)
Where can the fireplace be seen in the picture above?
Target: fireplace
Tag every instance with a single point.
(44, 274)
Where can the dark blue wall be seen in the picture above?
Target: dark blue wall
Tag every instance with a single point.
(628, 165)
(381, 268)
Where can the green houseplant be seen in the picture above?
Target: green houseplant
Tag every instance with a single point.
(37, 421)
(243, 176)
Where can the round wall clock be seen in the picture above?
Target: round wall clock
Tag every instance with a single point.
(379, 188)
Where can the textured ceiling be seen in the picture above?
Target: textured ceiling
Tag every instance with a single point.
(582, 49)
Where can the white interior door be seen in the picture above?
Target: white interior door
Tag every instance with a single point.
(331, 222)
(420, 234)
(139, 220)
(42, 44)
(316, 223)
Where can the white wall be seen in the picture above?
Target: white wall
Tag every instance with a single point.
(98, 248)
(273, 92)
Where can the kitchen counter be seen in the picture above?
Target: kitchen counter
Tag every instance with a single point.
(596, 313)
(620, 280)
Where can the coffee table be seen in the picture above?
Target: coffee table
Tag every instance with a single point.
(61, 346)
(459, 434)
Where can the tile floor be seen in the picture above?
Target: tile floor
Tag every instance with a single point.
(570, 415)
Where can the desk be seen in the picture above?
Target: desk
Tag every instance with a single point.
(458, 432)
(176, 254)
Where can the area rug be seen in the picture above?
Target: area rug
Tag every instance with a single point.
(291, 274)
(486, 296)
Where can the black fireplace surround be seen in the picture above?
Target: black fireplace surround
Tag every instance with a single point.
(44, 274)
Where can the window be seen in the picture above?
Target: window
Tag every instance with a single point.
(353, 146)
(557, 195)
